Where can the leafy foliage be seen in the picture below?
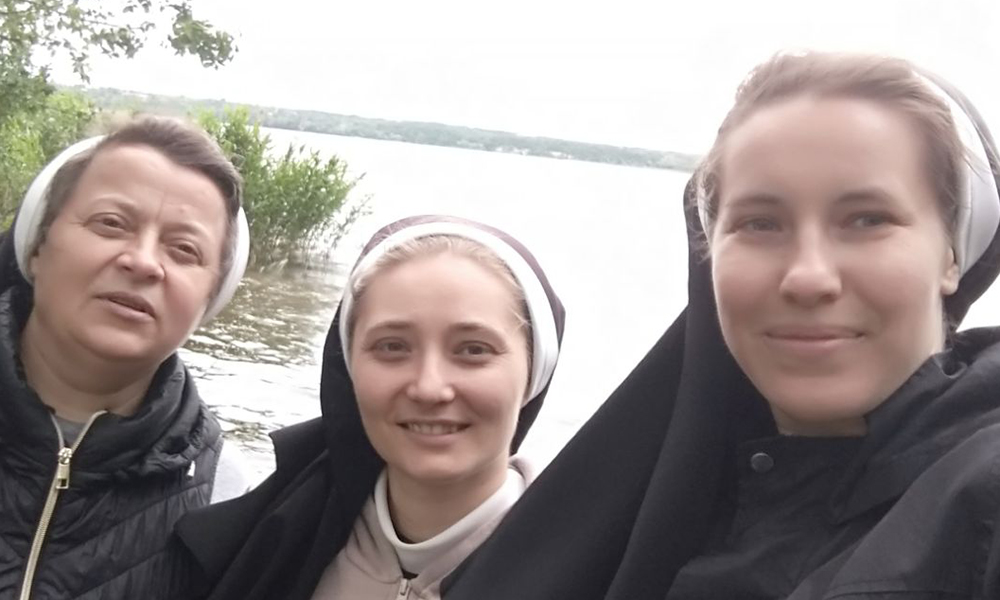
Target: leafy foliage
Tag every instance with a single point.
(35, 121)
(29, 28)
(295, 201)
(29, 138)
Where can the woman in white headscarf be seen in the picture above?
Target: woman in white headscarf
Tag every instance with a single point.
(122, 246)
(812, 426)
(435, 367)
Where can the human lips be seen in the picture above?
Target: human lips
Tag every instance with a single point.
(433, 427)
(812, 333)
(130, 301)
(812, 341)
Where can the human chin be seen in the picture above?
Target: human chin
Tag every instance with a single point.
(463, 462)
(121, 344)
(821, 406)
(428, 469)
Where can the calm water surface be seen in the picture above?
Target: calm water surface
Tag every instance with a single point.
(611, 239)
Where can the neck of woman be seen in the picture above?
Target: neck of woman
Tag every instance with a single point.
(421, 510)
(76, 388)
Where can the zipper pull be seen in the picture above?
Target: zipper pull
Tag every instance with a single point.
(404, 588)
(62, 469)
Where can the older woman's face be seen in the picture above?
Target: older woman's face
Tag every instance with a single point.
(829, 259)
(127, 268)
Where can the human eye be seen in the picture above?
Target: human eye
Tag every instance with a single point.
(107, 224)
(389, 348)
(757, 225)
(475, 351)
(186, 252)
(868, 220)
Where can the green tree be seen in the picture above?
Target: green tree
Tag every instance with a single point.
(118, 28)
(36, 122)
(35, 32)
(28, 139)
(295, 201)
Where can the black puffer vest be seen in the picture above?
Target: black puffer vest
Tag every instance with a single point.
(128, 481)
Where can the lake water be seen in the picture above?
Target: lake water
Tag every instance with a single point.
(611, 239)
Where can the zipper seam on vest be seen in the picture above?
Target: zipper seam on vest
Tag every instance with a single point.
(60, 481)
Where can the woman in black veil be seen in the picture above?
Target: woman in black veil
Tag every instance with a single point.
(436, 364)
(714, 473)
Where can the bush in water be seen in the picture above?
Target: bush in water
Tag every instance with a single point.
(296, 202)
(31, 136)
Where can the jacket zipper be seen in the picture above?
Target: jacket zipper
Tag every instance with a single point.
(404, 588)
(60, 481)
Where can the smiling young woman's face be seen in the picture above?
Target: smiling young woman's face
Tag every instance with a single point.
(829, 259)
(439, 362)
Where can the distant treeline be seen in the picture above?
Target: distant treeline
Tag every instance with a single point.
(436, 134)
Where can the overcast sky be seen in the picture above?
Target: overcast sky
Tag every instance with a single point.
(657, 74)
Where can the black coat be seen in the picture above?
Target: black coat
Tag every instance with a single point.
(912, 509)
(636, 494)
(131, 478)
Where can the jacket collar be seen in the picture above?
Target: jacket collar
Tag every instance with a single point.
(169, 430)
(952, 395)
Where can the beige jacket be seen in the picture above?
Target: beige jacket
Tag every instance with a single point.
(368, 567)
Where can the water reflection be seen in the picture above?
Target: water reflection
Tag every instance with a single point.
(273, 319)
(257, 363)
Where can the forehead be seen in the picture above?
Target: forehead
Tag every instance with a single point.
(443, 286)
(811, 144)
(142, 174)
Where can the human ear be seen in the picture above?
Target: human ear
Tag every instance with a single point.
(31, 266)
(951, 275)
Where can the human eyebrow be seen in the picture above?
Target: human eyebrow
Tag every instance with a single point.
(866, 195)
(193, 228)
(390, 324)
(753, 200)
(474, 327)
(370, 334)
(481, 331)
(103, 201)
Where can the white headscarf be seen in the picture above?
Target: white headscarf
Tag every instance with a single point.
(32, 211)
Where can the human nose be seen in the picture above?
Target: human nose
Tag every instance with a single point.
(812, 276)
(142, 259)
(431, 382)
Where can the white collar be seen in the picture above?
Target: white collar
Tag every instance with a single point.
(414, 558)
